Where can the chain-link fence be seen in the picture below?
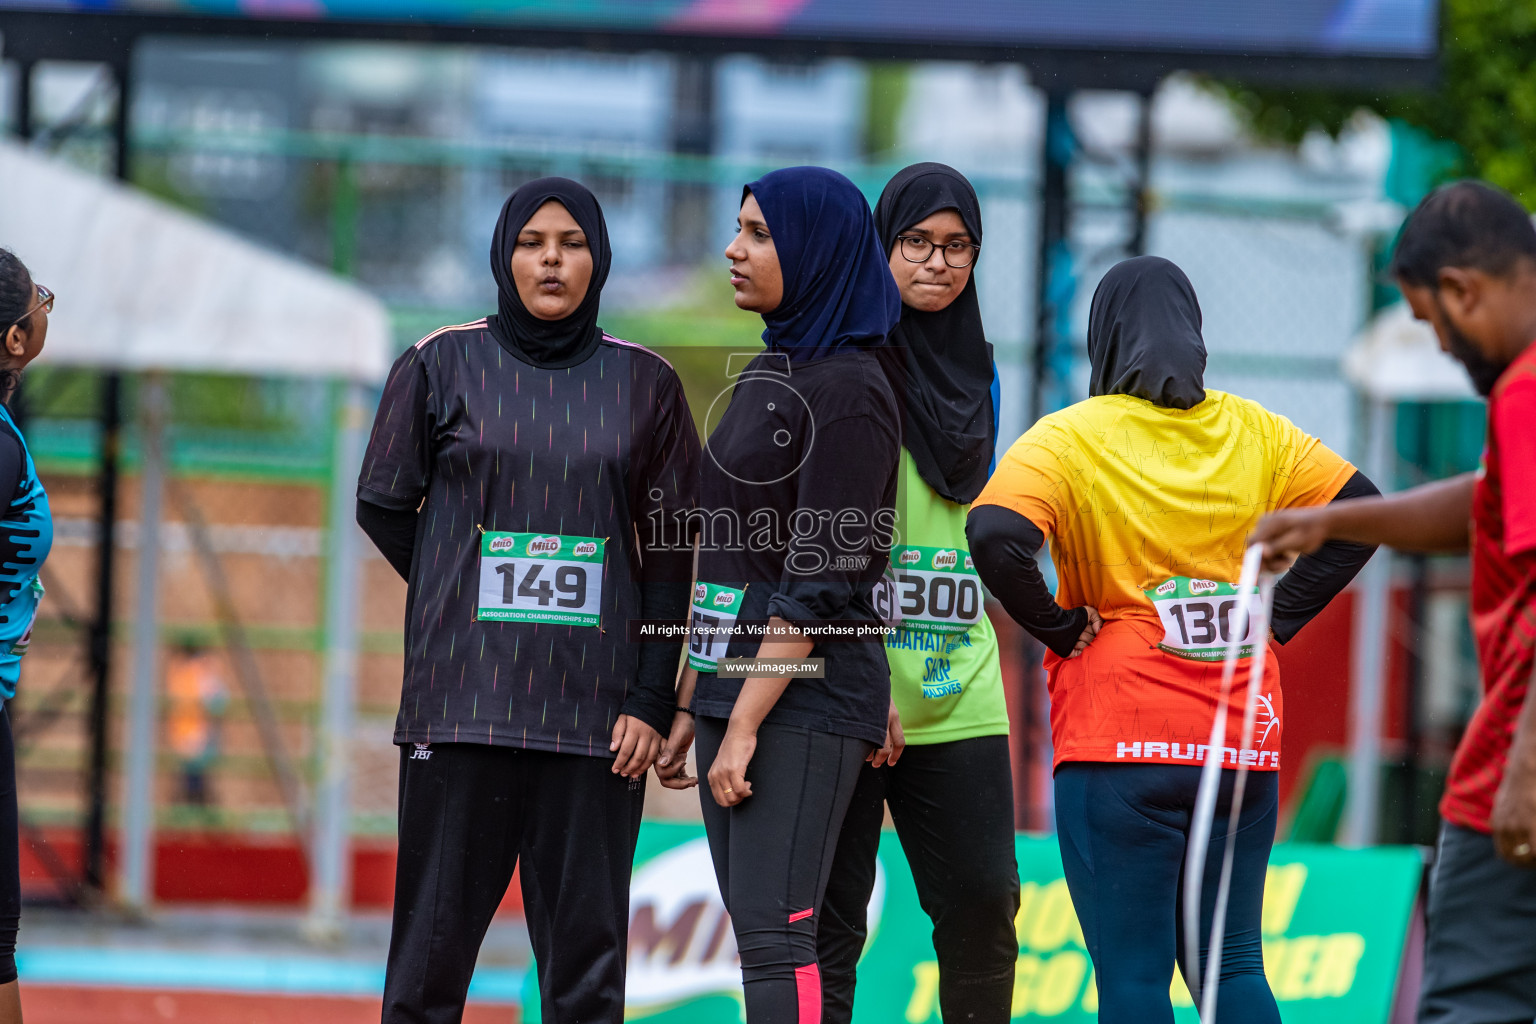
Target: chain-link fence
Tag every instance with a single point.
(1284, 283)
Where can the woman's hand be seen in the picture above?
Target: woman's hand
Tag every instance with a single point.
(728, 775)
(672, 764)
(1095, 623)
(636, 745)
(895, 740)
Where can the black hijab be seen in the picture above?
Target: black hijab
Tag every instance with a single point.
(1144, 335)
(548, 343)
(948, 362)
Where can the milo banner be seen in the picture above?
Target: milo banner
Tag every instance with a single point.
(1334, 926)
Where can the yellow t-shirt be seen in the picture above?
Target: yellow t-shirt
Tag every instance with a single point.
(1135, 497)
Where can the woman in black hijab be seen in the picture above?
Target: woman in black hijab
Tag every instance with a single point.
(517, 469)
(1148, 492)
(945, 769)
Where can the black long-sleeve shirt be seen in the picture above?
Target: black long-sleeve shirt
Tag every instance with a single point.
(796, 499)
(470, 440)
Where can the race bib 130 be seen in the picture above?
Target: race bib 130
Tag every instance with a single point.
(1199, 617)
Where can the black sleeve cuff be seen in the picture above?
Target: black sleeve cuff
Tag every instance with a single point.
(642, 705)
(1318, 578)
(1003, 544)
(653, 699)
(393, 532)
(391, 501)
(808, 607)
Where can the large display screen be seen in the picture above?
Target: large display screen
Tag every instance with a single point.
(1317, 28)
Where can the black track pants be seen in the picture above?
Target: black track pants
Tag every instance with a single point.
(773, 853)
(952, 805)
(469, 813)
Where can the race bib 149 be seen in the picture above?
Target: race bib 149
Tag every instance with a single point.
(1199, 616)
(540, 577)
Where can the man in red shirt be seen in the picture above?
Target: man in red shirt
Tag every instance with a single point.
(1466, 262)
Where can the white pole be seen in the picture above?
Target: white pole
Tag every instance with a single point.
(331, 851)
(141, 742)
(1367, 695)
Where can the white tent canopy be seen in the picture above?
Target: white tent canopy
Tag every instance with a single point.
(1396, 358)
(143, 285)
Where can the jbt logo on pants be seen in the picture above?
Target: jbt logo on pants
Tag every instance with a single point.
(423, 752)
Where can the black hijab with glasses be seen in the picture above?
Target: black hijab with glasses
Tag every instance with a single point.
(946, 374)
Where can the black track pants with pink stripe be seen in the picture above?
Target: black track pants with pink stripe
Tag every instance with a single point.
(773, 854)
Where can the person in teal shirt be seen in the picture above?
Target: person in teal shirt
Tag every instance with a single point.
(26, 536)
(944, 769)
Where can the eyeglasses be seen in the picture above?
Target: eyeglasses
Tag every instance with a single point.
(44, 302)
(917, 249)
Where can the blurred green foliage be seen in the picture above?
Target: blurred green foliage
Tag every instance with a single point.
(1484, 102)
(884, 99)
(199, 399)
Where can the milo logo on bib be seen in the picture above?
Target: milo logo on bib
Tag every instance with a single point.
(711, 621)
(932, 590)
(533, 577)
(1199, 617)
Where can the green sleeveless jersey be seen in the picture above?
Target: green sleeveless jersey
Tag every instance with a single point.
(945, 676)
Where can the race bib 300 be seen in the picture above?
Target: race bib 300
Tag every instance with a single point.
(540, 577)
(1198, 617)
(933, 590)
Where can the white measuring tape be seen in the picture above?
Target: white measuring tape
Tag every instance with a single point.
(1204, 820)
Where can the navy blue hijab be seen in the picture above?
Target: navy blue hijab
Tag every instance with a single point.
(838, 289)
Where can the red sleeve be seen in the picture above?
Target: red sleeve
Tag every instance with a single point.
(1514, 431)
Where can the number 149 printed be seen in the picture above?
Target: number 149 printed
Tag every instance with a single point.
(547, 578)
